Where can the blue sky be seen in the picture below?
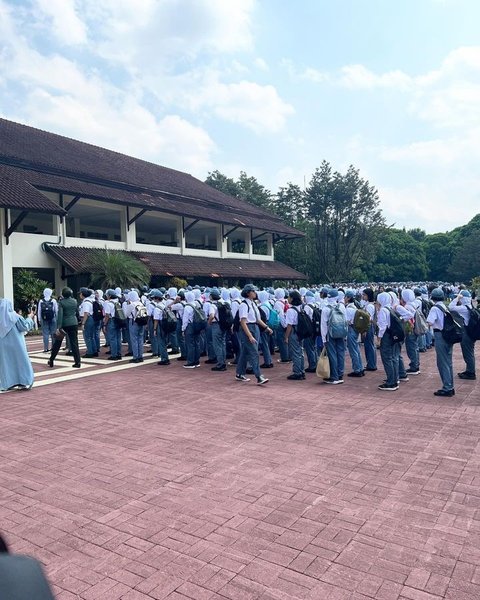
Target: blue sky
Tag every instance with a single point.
(267, 86)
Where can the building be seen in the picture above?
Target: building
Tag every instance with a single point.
(60, 199)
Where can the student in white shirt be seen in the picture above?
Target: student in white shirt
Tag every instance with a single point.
(369, 341)
(443, 349)
(462, 304)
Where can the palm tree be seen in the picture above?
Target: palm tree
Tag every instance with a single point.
(112, 268)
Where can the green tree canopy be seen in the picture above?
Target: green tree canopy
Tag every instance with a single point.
(112, 268)
(466, 259)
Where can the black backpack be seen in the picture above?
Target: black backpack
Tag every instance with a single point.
(396, 330)
(199, 320)
(119, 318)
(225, 317)
(169, 320)
(473, 327)
(317, 322)
(452, 331)
(97, 311)
(426, 306)
(48, 312)
(236, 320)
(304, 326)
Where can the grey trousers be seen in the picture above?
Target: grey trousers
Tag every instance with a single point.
(468, 352)
(444, 361)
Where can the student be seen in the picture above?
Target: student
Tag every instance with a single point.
(236, 300)
(389, 348)
(136, 330)
(352, 337)
(280, 306)
(47, 311)
(249, 336)
(291, 338)
(411, 339)
(112, 329)
(443, 349)
(335, 345)
(178, 307)
(310, 343)
(369, 341)
(87, 325)
(192, 340)
(67, 321)
(462, 304)
(172, 338)
(160, 336)
(217, 333)
(406, 316)
(264, 336)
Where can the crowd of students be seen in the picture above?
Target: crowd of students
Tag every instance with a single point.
(236, 327)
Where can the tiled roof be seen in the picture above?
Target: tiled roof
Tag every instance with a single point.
(155, 201)
(16, 193)
(171, 265)
(34, 149)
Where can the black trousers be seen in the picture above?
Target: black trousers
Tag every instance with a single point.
(72, 336)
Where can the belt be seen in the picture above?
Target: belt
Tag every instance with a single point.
(437, 330)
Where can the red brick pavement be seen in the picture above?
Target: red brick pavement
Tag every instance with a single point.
(154, 483)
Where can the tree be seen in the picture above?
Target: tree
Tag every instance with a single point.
(466, 259)
(399, 258)
(111, 268)
(439, 255)
(289, 204)
(27, 289)
(345, 213)
(417, 234)
(246, 188)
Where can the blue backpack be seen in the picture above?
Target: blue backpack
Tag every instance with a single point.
(337, 323)
(273, 318)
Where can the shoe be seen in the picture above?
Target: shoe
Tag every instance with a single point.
(211, 361)
(388, 388)
(109, 352)
(175, 351)
(467, 375)
(355, 374)
(242, 378)
(296, 377)
(163, 362)
(133, 360)
(188, 366)
(118, 358)
(139, 360)
(423, 350)
(371, 369)
(284, 361)
(446, 393)
(197, 365)
(232, 363)
(76, 366)
(264, 366)
(261, 380)
(50, 363)
(129, 354)
(333, 381)
(249, 371)
(112, 358)
(95, 354)
(183, 358)
(413, 371)
(45, 351)
(219, 368)
(68, 353)
(311, 370)
(404, 379)
(88, 356)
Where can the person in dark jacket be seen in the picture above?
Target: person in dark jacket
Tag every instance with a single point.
(67, 322)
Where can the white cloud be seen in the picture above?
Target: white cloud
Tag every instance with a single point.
(359, 77)
(297, 73)
(66, 24)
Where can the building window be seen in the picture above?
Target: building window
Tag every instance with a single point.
(37, 223)
(202, 236)
(157, 229)
(260, 245)
(238, 241)
(94, 220)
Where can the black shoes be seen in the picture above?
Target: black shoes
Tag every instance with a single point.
(219, 368)
(413, 371)
(296, 376)
(50, 362)
(311, 370)
(211, 361)
(467, 375)
(76, 366)
(264, 366)
(445, 393)
(356, 374)
(371, 369)
(388, 388)
(163, 362)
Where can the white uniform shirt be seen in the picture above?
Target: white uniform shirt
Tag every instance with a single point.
(109, 308)
(436, 317)
(383, 321)
(461, 309)
(187, 317)
(291, 317)
(249, 311)
(158, 310)
(86, 307)
(350, 311)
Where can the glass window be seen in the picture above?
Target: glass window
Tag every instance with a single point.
(237, 241)
(38, 223)
(94, 220)
(157, 229)
(202, 236)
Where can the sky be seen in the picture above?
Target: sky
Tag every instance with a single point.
(270, 87)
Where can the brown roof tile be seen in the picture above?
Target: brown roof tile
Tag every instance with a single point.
(32, 148)
(170, 265)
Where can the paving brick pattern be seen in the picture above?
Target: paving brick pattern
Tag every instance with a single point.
(155, 483)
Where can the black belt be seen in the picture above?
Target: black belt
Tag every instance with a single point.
(438, 330)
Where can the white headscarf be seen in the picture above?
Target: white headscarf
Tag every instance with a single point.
(172, 292)
(408, 295)
(100, 294)
(234, 293)
(263, 296)
(280, 294)
(133, 296)
(189, 297)
(8, 317)
(384, 299)
(225, 295)
(47, 294)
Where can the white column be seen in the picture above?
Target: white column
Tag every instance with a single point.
(129, 233)
(6, 262)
